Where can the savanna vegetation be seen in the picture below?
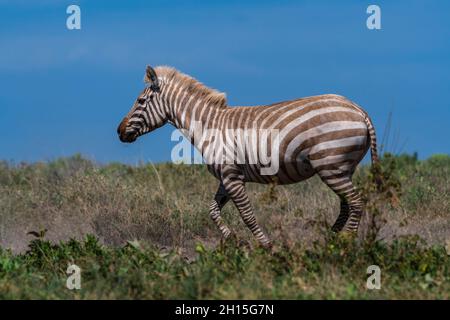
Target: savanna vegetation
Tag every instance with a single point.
(143, 232)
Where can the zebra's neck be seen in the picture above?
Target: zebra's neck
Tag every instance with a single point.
(192, 107)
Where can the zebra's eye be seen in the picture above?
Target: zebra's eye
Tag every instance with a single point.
(141, 100)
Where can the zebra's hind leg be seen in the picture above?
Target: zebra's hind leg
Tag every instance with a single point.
(351, 203)
(343, 216)
(220, 199)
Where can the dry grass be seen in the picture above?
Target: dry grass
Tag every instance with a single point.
(167, 204)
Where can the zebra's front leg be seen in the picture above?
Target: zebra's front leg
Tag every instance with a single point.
(220, 199)
(236, 191)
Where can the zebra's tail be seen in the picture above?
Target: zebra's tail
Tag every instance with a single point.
(373, 140)
(376, 168)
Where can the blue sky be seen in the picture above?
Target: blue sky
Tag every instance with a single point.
(65, 91)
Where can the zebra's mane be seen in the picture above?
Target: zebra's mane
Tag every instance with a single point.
(208, 95)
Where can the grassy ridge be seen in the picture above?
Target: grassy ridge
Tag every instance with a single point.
(151, 236)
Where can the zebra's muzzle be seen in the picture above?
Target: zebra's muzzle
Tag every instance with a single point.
(128, 137)
(124, 134)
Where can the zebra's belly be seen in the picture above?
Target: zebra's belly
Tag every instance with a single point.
(285, 173)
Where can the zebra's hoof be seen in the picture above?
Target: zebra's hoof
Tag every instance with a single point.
(243, 243)
(228, 234)
(229, 239)
(336, 229)
(267, 245)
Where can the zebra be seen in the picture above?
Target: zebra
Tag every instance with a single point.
(327, 135)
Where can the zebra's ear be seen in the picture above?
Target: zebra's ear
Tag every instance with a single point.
(152, 78)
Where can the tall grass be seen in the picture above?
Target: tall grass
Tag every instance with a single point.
(167, 204)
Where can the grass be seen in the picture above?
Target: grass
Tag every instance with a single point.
(144, 233)
(330, 271)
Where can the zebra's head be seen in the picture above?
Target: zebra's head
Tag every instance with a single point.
(147, 112)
